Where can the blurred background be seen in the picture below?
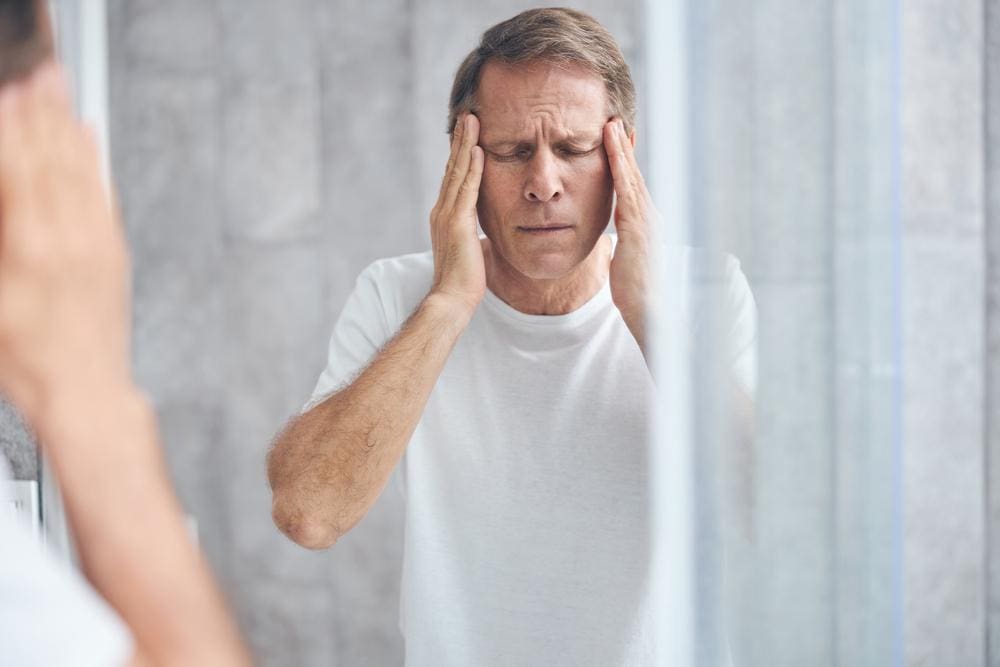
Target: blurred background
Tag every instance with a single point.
(848, 152)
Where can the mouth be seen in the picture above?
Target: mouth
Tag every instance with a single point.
(547, 229)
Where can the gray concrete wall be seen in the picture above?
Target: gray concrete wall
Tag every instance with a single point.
(992, 203)
(944, 313)
(16, 444)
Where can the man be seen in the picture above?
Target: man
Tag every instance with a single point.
(505, 378)
(64, 362)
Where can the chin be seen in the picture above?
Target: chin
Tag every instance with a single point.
(545, 265)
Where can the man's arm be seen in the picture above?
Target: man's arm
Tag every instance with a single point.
(328, 467)
(130, 531)
(64, 362)
(632, 293)
(630, 266)
(331, 463)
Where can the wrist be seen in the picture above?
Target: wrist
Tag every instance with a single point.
(72, 409)
(449, 306)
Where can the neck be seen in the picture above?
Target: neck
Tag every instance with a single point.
(556, 296)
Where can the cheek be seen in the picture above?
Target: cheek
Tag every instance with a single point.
(592, 178)
(498, 185)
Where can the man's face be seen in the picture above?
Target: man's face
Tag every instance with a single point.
(546, 192)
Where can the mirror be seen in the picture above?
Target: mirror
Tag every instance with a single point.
(267, 156)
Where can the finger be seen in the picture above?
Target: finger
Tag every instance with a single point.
(49, 168)
(470, 137)
(643, 198)
(456, 142)
(620, 169)
(50, 83)
(15, 158)
(629, 150)
(68, 166)
(51, 113)
(630, 187)
(84, 184)
(47, 118)
(468, 193)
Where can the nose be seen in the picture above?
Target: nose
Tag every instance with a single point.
(543, 182)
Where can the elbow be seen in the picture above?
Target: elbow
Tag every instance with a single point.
(300, 527)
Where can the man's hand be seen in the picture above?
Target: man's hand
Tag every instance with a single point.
(63, 266)
(634, 213)
(459, 270)
(64, 326)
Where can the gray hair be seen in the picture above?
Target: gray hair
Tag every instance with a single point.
(556, 35)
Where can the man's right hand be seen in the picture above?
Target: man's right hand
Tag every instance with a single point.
(64, 316)
(459, 270)
(64, 362)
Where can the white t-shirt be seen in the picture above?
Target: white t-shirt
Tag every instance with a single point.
(526, 480)
(49, 615)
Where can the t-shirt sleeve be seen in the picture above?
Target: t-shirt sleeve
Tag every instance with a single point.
(360, 331)
(49, 614)
(742, 322)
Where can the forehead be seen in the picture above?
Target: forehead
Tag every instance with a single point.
(512, 98)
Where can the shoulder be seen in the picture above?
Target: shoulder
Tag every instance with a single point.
(711, 279)
(402, 268)
(701, 265)
(399, 283)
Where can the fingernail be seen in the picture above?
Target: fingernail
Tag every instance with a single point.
(468, 121)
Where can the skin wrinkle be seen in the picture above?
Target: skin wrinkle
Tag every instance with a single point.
(545, 108)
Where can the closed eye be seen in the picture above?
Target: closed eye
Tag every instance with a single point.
(573, 152)
(519, 154)
(526, 153)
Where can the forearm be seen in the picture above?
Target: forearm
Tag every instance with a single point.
(130, 530)
(331, 463)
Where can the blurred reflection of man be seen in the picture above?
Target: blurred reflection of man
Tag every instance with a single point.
(504, 379)
(149, 598)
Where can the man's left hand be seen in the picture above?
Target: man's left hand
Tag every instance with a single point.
(634, 213)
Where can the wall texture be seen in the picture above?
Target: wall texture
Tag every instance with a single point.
(16, 444)
(992, 204)
(944, 318)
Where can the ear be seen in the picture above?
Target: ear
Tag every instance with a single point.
(632, 137)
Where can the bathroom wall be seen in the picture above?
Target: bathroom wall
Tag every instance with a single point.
(945, 316)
